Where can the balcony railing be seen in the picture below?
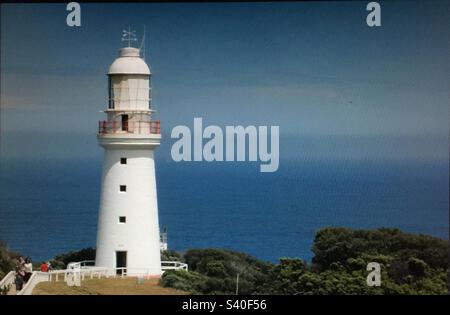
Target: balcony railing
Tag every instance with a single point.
(135, 127)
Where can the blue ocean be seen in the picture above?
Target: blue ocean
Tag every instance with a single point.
(49, 207)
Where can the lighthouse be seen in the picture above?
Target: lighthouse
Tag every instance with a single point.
(128, 239)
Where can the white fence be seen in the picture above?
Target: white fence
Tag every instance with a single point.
(173, 265)
(91, 272)
(8, 280)
(81, 264)
(87, 269)
(35, 278)
(124, 271)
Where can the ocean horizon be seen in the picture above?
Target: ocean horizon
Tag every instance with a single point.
(50, 206)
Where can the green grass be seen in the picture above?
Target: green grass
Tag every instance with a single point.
(106, 286)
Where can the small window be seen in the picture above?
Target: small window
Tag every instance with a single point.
(122, 219)
(123, 160)
(110, 94)
(123, 188)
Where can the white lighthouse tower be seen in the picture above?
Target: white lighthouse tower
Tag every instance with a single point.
(128, 237)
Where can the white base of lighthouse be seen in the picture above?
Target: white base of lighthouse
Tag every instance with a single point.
(128, 228)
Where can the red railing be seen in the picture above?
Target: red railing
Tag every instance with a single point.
(136, 127)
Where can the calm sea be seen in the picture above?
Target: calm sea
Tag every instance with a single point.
(50, 206)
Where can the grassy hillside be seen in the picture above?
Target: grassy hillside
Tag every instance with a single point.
(126, 286)
(410, 264)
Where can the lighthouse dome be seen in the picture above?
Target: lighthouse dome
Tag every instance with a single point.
(129, 62)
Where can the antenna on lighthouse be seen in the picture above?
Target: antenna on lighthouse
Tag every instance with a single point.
(129, 36)
(142, 48)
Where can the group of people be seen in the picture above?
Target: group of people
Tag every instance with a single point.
(24, 269)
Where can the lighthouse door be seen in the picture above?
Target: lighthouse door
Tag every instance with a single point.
(124, 122)
(121, 262)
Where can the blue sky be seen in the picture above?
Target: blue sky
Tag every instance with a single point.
(336, 87)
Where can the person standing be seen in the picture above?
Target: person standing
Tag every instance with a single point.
(19, 262)
(19, 279)
(44, 267)
(28, 267)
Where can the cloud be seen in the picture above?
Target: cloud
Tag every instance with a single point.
(16, 102)
(42, 92)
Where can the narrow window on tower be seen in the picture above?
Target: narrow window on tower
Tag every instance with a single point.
(123, 188)
(123, 160)
(110, 94)
(122, 219)
(150, 93)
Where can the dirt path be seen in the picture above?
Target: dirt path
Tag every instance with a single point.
(12, 290)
